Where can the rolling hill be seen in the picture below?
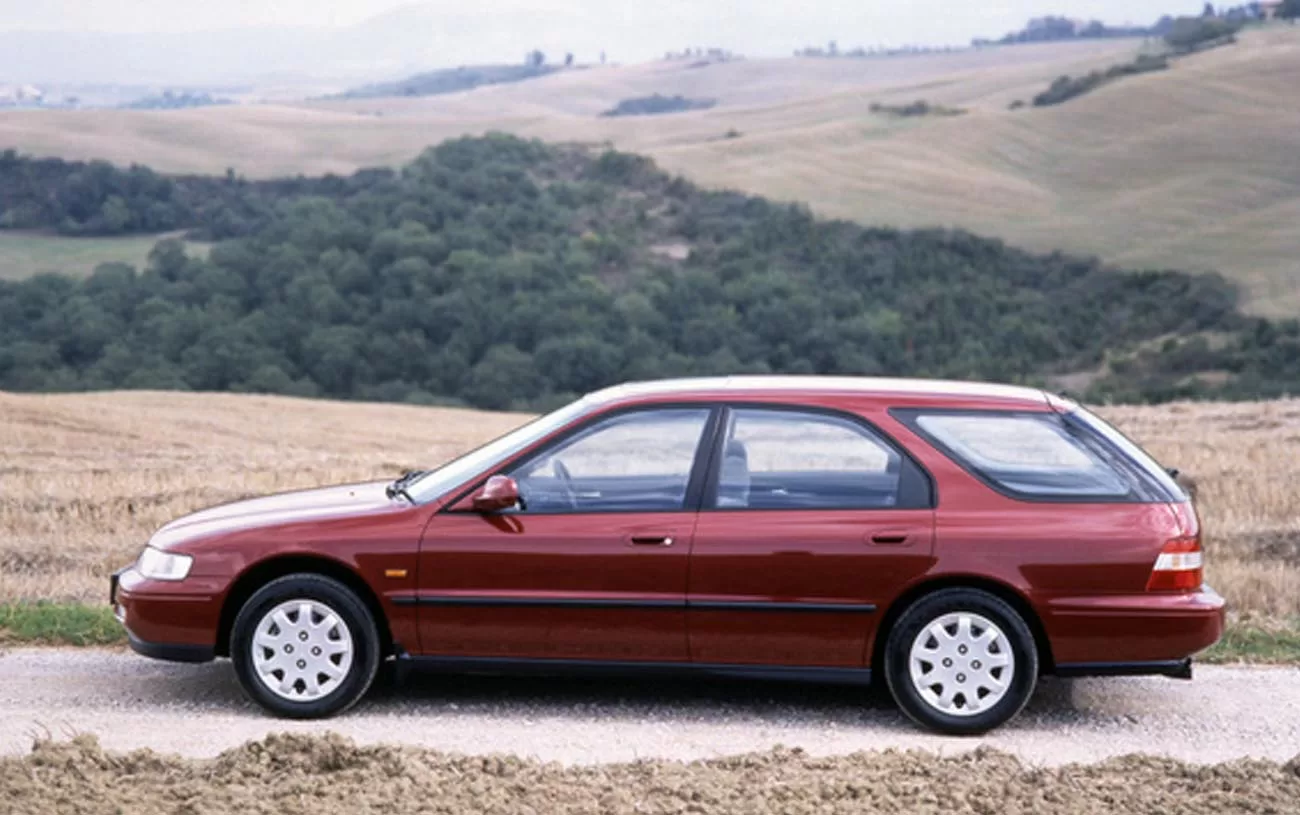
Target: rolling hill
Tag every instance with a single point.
(508, 272)
(1193, 168)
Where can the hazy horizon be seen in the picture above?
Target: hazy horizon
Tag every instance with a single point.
(187, 41)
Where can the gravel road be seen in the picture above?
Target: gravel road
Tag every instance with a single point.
(199, 710)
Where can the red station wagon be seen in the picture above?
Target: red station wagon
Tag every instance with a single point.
(960, 539)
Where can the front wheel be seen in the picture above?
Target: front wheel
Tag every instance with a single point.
(961, 661)
(305, 647)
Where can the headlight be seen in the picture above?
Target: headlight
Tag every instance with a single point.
(156, 564)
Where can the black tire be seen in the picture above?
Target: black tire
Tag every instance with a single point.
(918, 618)
(323, 592)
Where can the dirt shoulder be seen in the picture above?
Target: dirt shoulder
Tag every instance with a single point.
(330, 774)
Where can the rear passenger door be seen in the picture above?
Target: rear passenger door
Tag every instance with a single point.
(810, 521)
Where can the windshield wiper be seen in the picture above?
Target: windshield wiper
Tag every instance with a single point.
(398, 487)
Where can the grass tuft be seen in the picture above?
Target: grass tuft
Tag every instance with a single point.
(59, 624)
(1270, 642)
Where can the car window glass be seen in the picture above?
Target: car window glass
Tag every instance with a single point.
(783, 459)
(1033, 454)
(1142, 458)
(637, 461)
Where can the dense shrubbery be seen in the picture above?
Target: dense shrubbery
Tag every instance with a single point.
(917, 108)
(176, 100)
(1211, 25)
(504, 273)
(1188, 34)
(451, 80)
(96, 198)
(656, 104)
(1053, 29)
(1183, 35)
(1066, 88)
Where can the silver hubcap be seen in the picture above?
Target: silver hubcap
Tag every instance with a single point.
(302, 650)
(961, 664)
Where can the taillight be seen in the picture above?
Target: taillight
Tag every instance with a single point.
(1178, 568)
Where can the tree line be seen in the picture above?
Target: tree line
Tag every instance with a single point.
(98, 199)
(499, 273)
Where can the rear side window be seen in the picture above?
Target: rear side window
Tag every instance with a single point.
(1029, 454)
(792, 459)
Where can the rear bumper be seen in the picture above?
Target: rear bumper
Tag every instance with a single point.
(1174, 669)
(1149, 633)
(174, 621)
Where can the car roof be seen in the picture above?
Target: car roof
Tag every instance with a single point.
(930, 389)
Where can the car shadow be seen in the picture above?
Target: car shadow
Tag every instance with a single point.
(702, 700)
(213, 687)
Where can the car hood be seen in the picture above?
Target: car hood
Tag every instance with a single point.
(349, 500)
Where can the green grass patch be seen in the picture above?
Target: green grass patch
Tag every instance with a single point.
(1275, 642)
(58, 624)
(25, 253)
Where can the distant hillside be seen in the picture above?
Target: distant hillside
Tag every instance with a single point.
(451, 80)
(1193, 168)
(504, 272)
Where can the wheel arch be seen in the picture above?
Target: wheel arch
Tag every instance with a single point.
(1003, 591)
(264, 571)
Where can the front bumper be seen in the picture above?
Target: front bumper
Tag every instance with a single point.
(174, 621)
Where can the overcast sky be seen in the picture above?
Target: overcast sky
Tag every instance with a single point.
(739, 24)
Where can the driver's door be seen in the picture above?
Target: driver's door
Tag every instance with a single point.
(592, 566)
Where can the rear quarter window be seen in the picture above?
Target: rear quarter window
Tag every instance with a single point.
(1034, 455)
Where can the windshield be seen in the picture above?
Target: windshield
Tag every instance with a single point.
(1139, 456)
(456, 472)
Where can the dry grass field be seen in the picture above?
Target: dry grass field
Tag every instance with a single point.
(1192, 168)
(86, 478)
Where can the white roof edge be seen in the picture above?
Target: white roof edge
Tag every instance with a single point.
(858, 384)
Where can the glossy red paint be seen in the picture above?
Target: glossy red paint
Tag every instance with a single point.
(614, 587)
(808, 556)
(806, 588)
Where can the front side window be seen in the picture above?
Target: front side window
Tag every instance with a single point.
(785, 459)
(1031, 454)
(630, 462)
(436, 483)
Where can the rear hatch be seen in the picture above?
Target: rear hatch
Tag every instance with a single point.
(1177, 565)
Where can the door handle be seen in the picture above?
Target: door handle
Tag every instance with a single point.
(889, 537)
(652, 540)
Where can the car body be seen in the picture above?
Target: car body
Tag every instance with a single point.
(783, 527)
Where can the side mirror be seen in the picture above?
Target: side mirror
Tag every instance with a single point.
(500, 492)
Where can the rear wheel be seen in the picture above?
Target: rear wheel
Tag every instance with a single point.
(961, 661)
(305, 646)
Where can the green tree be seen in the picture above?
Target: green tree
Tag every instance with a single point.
(505, 377)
